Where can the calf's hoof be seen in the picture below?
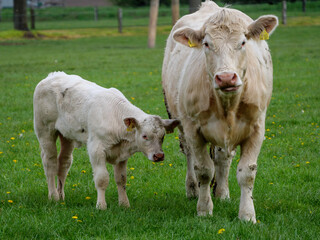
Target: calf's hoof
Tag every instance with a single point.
(124, 204)
(54, 196)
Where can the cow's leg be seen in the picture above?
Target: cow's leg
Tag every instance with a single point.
(120, 175)
(222, 161)
(203, 166)
(65, 161)
(100, 173)
(192, 188)
(47, 142)
(246, 172)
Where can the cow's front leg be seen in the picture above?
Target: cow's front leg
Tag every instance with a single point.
(204, 170)
(222, 161)
(100, 173)
(246, 172)
(120, 175)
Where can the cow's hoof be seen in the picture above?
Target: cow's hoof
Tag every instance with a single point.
(101, 206)
(124, 204)
(192, 190)
(248, 218)
(204, 213)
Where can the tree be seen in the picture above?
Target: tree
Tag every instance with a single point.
(20, 15)
(304, 2)
(194, 5)
(154, 6)
(175, 11)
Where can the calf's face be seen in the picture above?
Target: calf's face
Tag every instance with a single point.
(149, 134)
(223, 40)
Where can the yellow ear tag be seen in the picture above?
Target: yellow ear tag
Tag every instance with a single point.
(191, 44)
(264, 35)
(130, 127)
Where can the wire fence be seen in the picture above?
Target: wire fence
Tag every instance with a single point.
(53, 17)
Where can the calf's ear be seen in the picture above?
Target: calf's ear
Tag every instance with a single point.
(266, 22)
(131, 123)
(170, 124)
(189, 37)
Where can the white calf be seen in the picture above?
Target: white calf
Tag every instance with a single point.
(81, 112)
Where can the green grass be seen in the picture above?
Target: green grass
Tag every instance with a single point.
(287, 188)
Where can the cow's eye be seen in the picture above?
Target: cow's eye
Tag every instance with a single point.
(243, 43)
(206, 44)
(145, 137)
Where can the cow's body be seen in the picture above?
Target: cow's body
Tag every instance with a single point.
(217, 80)
(81, 112)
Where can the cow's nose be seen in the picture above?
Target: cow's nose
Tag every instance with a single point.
(226, 79)
(158, 157)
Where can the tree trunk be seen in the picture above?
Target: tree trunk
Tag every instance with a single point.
(20, 15)
(0, 10)
(304, 3)
(194, 5)
(284, 12)
(175, 11)
(154, 6)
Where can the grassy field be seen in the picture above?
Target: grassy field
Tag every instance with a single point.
(287, 188)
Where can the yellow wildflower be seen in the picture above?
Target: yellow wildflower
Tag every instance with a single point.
(83, 171)
(132, 177)
(88, 198)
(10, 201)
(221, 231)
(132, 168)
(132, 98)
(8, 192)
(75, 217)
(12, 138)
(79, 221)
(307, 162)
(161, 164)
(1, 152)
(170, 164)
(14, 161)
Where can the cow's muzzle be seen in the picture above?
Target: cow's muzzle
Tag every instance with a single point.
(227, 81)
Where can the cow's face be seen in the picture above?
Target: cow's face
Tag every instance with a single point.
(223, 39)
(149, 134)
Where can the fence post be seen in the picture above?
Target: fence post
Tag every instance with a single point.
(175, 11)
(120, 20)
(154, 6)
(32, 18)
(96, 13)
(284, 12)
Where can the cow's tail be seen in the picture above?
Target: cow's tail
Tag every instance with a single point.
(166, 103)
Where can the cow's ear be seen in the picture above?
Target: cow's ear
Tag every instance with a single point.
(262, 27)
(131, 123)
(189, 37)
(170, 124)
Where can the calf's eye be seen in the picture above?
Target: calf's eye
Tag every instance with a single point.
(145, 137)
(243, 43)
(206, 44)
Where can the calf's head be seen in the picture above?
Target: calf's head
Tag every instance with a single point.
(149, 134)
(223, 39)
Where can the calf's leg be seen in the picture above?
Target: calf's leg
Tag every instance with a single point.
(50, 163)
(100, 173)
(120, 175)
(65, 161)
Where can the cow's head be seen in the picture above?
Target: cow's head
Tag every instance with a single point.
(223, 38)
(149, 134)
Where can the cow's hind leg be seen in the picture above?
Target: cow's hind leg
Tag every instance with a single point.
(192, 188)
(50, 162)
(120, 175)
(100, 173)
(65, 161)
(222, 161)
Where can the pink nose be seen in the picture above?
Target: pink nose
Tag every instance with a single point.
(158, 157)
(226, 79)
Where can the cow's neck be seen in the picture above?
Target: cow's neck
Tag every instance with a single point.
(227, 104)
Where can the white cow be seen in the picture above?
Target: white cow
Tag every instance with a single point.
(81, 112)
(217, 80)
